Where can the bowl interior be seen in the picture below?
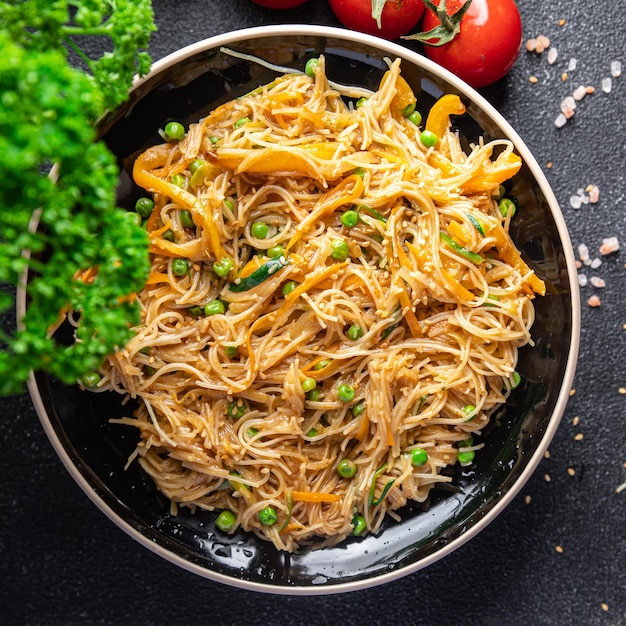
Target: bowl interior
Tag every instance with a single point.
(189, 87)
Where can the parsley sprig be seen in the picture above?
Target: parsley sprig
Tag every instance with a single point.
(48, 112)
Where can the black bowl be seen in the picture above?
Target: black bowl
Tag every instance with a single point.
(186, 86)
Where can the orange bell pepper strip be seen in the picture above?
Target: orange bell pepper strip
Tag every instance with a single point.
(403, 98)
(438, 118)
(143, 174)
(315, 160)
(338, 196)
(493, 173)
(509, 253)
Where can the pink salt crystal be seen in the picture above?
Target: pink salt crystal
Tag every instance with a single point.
(594, 301)
(594, 194)
(609, 245)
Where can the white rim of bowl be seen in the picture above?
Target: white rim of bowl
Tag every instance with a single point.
(393, 50)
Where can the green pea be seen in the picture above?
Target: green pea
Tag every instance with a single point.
(359, 171)
(186, 219)
(236, 409)
(360, 102)
(466, 443)
(214, 139)
(465, 458)
(214, 307)
(174, 131)
(350, 218)
(178, 180)
(276, 252)
(346, 468)
(320, 365)
(358, 409)
(408, 109)
(196, 164)
(225, 521)
(180, 267)
(310, 67)
(242, 122)
(252, 432)
(308, 384)
(315, 395)
(339, 250)
(288, 287)
(268, 516)
(418, 457)
(355, 332)
(168, 235)
(415, 117)
(345, 392)
(229, 204)
(507, 207)
(516, 379)
(144, 206)
(470, 411)
(223, 267)
(500, 193)
(259, 230)
(428, 138)
(134, 217)
(359, 525)
(231, 351)
(91, 380)
(195, 310)
(312, 432)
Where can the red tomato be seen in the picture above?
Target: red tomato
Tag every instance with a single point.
(398, 16)
(486, 46)
(279, 4)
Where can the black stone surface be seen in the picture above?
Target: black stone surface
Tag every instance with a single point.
(63, 562)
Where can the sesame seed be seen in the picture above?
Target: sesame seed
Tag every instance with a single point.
(575, 421)
(533, 79)
(579, 437)
(549, 165)
(622, 390)
(562, 22)
(564, 76)
(547, 478)
(546, 454)
(605, 606)
(572, 392)
(527, 499)
(571, 471)
(559, 549)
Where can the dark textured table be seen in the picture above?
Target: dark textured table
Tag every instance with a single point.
(556, 555)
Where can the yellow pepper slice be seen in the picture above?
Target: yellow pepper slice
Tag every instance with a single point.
(439, 116)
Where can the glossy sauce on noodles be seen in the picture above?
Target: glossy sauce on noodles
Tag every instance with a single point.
(334, 310)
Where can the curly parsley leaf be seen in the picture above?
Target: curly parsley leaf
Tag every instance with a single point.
(48, 111)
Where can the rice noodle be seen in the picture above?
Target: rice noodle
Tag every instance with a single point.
(224, 420)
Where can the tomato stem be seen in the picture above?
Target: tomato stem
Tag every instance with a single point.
(449, 25)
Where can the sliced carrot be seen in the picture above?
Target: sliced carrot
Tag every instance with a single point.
(409, 314)
(339, 195)
(158, 277)
(315, 496)
(364, 427)
(310, 281)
